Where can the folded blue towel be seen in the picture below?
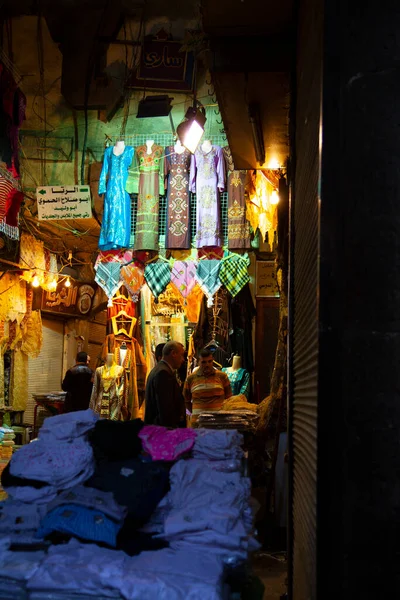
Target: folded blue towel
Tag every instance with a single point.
(82, 522)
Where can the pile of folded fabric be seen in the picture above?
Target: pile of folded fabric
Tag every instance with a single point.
(126, 511)
(7, 437)
(244, 420)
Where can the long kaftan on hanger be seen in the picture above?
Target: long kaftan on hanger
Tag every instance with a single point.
(238, 225)
(207, 179)
(116, 224)
(151, 169)
(176, 171)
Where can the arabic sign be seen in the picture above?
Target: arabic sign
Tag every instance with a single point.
(65, 202)
(266, 284)
(74, 300)
(163, 66)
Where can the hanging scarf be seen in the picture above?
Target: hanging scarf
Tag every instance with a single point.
(120, 256)
(133, 279)
(207, 276)
(108, 278)
(157, 276)
(233, 273)
(183, 276)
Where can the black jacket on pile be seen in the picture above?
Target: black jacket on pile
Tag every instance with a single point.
(164, 400)
(78, 383)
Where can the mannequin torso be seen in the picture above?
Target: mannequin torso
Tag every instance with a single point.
(178, 148)
(119, 148)
(206, 146)
(236, 364)
(149, 146)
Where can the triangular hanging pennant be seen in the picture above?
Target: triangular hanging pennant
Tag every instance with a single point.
(183, 276)
(157, 276)
(108, 278)
(207, 276)
(234, 274)
(133, 279)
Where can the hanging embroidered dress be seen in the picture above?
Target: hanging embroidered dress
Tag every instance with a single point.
(207, 179)
(238, 225)
(176, 171)
(151, 169)
(116, 224)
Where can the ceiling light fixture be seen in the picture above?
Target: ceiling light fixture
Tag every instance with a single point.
(256, 129)
(35, 281)
(191, 130)
(67, 282)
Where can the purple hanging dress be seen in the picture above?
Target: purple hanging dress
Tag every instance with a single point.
(207, 179)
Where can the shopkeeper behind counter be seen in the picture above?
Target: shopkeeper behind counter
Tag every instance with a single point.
(206, 389)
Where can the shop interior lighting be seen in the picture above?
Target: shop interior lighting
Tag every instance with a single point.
(53, 284)
(191, 130)
(67, 282)
(257, 133)
(35, 281)
(274, 197)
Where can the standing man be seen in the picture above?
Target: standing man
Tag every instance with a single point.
(206, 389)
(78, 383)
(164, 401)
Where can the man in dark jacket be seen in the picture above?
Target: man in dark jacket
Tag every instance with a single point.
(164, 401)
(78, 383)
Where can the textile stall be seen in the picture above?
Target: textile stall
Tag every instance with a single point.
(124, 510)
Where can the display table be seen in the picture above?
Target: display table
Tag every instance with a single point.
(53, 403)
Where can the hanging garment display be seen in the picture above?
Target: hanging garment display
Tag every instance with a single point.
(183, 276)
(243, 312)
(207, 179)
(133, 277)
(121, 302)
(51, 273)
(120, 256)
(108, 278)
(151, 170)
(116, 224)
(157, 276)
(234, 272)
(32, 257)
(207, 276)
(176, 170)
(239, 380)
(12, 297)
(213, 327)
(238, 225)
(134, 367)
(106, 396)
(32, 334)
(261, 212)
(10, 203)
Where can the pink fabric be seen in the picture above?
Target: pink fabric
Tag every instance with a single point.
(166, 444)
(183, 276)
(121, 256)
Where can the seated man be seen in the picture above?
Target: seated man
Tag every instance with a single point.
(206, 389)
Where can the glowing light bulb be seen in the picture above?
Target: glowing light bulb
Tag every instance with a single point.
(273, 163)
(274, 197)
(67, 282)
(35, 281)
(53, 284)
